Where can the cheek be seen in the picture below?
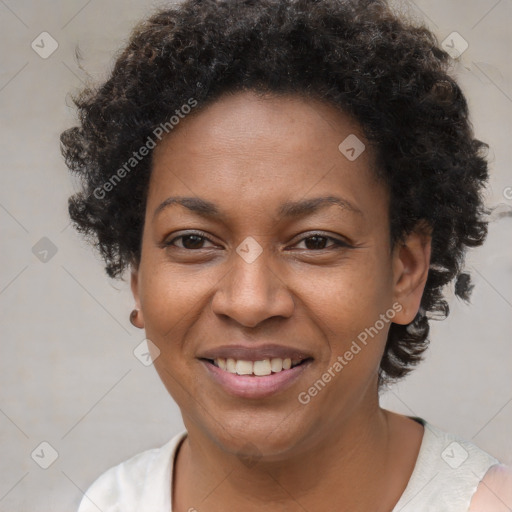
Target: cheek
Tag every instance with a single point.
(351, 297)
(335, 304)
(342, 299)
(172, 299)
(353, 309)
(172, 302)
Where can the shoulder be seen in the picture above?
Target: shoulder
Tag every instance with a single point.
(447, 472)
(494, 492)
(126, 487)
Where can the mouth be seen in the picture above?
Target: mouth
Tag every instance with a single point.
(255, 379)
(256, 368)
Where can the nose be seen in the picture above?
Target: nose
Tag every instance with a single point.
(252, 292)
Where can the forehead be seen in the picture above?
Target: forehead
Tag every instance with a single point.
(247, 121)
(259, 149)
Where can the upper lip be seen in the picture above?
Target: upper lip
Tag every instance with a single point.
(254, 353)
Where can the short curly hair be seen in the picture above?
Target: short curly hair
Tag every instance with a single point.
(386, 71)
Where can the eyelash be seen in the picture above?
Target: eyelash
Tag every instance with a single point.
(336, 242)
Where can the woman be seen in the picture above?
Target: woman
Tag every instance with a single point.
(291, 184)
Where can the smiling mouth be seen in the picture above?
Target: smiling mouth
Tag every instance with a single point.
(261, 368)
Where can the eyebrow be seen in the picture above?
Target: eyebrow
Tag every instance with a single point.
(207, 209)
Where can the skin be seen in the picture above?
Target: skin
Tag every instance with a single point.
(249, 154)
(494, 493)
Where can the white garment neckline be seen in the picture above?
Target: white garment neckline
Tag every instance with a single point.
(429, 435)
(445, 477)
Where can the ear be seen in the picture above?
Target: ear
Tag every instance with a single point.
(411, 261)
(134, 283)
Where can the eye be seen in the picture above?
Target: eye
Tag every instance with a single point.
(189, 241)
(196, 240)
(317, 241)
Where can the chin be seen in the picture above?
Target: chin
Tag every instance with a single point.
(269, 437)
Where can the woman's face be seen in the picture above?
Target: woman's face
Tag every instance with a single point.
(254, 259)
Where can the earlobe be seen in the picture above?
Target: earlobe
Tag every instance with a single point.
(411, 261)
(136, 316)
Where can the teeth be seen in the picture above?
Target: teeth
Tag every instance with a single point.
(244, 367)
(230, 365)
(276, 364)
(262, 367)
(259, 368)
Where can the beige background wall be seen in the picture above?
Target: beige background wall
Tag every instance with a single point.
(68, 376)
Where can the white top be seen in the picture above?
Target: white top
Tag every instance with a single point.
(445, 477)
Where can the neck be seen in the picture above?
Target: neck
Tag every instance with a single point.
(348, 469)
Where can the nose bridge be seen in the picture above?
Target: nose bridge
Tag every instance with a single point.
(252, 272)
(252, 290)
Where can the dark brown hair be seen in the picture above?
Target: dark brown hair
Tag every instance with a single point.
(387, 72)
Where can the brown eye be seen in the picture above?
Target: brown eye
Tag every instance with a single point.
(316, 242)
(192, 241)
(319, 242)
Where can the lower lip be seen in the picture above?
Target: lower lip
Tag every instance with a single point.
(252, 386)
